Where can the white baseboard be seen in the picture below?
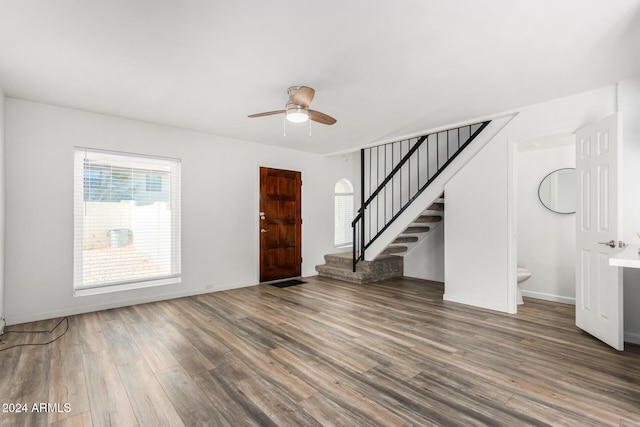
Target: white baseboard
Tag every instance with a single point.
(549, 297)
(310, 273)
(34, 317)
(632, 337)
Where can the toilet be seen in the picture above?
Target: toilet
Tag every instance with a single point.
(522, 275)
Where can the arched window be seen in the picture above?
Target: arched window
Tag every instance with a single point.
(343, 213)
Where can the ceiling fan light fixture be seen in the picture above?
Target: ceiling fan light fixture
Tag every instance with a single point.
(296, 113)
(297, 108)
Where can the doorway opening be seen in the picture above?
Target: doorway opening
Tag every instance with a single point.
(546, 232)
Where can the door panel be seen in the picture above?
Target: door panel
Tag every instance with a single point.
(280, 224)
(598, 285)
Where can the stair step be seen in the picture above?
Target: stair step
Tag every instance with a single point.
(339, 266)
(345, 274)
(437, 206)
(406, 239)
(344, 260)
(428, 218)
(394, 250)
(412, 230)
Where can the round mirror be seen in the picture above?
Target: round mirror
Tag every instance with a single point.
(557, 191)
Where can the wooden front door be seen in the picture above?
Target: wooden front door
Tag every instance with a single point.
(280, 224)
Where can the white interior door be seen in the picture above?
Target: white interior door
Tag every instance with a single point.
(598, 285)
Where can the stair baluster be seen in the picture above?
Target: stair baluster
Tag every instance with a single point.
(381, 206)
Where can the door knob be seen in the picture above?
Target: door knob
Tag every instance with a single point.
(610, 243)
(262, 230)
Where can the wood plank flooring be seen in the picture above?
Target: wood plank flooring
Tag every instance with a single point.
(322, 353)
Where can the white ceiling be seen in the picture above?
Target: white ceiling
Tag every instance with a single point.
(383, 69)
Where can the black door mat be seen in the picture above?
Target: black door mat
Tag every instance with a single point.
(287, 283)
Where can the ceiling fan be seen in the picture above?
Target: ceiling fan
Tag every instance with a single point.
(297, 109)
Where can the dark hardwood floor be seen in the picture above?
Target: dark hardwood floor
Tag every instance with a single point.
(322, 353)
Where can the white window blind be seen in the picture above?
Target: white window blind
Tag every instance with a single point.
(343, 234)
(126, 219)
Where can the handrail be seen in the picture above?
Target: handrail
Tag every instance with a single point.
(402, 172)
(397, 168)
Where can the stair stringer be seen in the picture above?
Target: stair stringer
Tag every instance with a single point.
(435, 189)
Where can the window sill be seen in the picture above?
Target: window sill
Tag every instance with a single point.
(347, 246)
(80, 292)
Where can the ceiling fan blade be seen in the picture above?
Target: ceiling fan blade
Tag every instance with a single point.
(319, 117)
(303, 96)
(268, 113)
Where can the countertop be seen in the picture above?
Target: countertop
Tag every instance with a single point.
(628, 257)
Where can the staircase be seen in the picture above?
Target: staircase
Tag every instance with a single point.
(390, 262)
(428, 220)
(402, 195)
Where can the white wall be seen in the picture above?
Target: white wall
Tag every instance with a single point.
(426, 259)
(480, 213)
(629, 105)
(2, 206)
(220, 179)
(546, 239)
(475, 216)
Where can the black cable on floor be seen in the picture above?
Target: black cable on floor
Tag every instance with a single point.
(38, 332)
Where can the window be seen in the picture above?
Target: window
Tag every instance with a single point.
(343, 234)
(126, 221)
(154, 183)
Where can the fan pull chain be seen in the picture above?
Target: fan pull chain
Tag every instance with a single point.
(309, 120)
